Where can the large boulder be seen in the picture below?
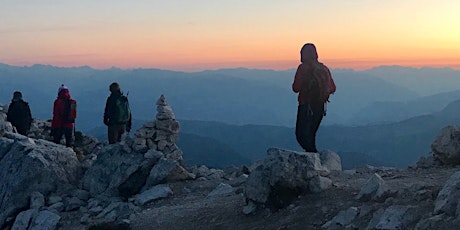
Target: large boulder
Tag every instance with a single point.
(446, 146)
(28, 166)
(448, 198)
(114, 169)
(282, 176)
(4, 125)
(134, 165)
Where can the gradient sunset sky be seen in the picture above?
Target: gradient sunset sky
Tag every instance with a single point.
(191, 35)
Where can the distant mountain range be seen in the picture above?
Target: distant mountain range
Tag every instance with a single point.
(387, 115)
(234, 96)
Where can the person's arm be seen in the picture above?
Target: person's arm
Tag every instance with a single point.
(29, 114)
(57, 117)
(128, 125)
(299, 79)
(107, 112)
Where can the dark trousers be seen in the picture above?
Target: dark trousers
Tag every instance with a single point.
(66, 132)
(308, 120)
(114, 133)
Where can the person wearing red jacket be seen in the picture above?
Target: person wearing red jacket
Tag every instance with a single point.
(60, 126)
(311, 98)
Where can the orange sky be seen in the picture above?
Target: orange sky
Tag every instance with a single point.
(209, 34)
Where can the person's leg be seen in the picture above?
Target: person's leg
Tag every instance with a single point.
(57, 135)
(301, 126)
(120, 130)
(112, 134)
(314, 121)
(68, 133)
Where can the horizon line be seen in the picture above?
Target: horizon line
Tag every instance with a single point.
(197, 70)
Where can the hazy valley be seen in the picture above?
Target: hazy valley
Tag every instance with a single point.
(382, 116)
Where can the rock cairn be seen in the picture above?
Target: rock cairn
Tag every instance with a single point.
(160, 134)
(138, 170)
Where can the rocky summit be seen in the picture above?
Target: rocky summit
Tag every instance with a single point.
(143, 183)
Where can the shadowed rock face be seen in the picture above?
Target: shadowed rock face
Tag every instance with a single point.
(446, 146)
(284, 175)
(28, 165)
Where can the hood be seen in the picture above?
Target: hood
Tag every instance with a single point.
(308, 53)
(17, 96)
(64, 93)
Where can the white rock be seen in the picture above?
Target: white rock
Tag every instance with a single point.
(155, 193)
(221, 190)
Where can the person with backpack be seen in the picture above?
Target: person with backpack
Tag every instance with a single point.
(313, 82)
(64, 114)
(19, 114)
(117, 114)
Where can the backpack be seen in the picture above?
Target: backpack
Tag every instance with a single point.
(70, 111)
(321, 82)
(122, 111)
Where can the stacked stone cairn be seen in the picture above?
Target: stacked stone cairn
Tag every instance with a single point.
(160, 134)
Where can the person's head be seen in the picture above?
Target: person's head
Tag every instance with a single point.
(63, 92)
(17, 96)
(308, 53)
(114, 87)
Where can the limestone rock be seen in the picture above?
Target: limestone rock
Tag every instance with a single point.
(113, 168)
(24, 219)
(221, 190)
(152, 194)
(342, 219)
(37, 200)
(331, 160)
(448, 198)
(446, 146)
(45, 167)
(167, 170)
(45, 220)
(375, 188)
(318, 184)
(282, 176)
(394, 217)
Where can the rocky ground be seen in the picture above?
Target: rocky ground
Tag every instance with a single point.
(192, 208)
(141, 183)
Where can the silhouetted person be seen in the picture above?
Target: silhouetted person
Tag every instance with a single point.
(19, 114)
(313, 82)
(61, 125)
(117, 114)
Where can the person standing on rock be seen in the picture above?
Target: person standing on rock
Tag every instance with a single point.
(117, 114)
(313, 82)
(64, 114)
(19, 114)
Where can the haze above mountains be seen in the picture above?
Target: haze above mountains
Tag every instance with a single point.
(385, 115)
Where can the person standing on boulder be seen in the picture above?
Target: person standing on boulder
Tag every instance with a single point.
(313, 82)
(63, 123)
(19, 114)
(117, 114)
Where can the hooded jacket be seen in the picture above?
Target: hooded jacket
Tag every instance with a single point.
(19, 115)
(303, 77)
(59, 110)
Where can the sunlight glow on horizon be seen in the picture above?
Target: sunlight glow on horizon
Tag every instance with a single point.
(207, 34)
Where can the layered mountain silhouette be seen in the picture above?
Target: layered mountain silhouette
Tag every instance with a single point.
(386, 114)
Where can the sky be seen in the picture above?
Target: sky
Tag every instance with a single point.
(193, 35)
